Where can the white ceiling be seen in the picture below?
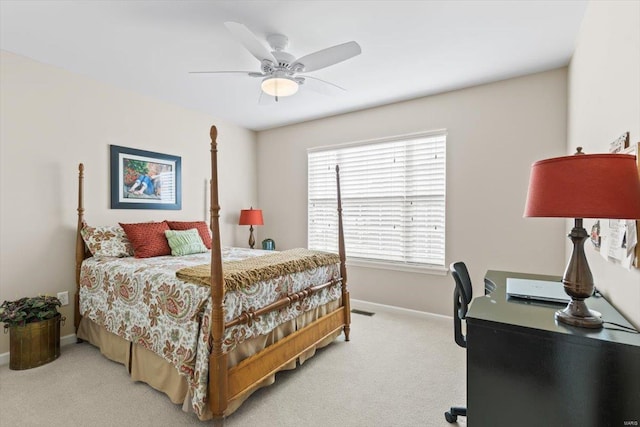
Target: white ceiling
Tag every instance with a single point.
(409, 48)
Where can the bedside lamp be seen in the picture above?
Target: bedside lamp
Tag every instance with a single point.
(251, 217)
(583, 186)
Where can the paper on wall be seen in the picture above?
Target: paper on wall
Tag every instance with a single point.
(632, 241)
(617, 247)
(632, 237)
(618, 241)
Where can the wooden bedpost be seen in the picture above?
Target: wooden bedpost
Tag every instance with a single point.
(218, 360)
(80, 249)
(343, 262)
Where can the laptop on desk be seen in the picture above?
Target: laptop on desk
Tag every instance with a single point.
(539, 290)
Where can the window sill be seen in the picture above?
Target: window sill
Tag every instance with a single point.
(381, 265)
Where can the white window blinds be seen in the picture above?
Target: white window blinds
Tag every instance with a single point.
(393, 199)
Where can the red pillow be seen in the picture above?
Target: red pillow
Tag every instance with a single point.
(147, 238)
(201, 226)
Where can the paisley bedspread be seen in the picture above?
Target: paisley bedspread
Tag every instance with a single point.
(144, 302)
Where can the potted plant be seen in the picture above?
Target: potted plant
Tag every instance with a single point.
(34, 330)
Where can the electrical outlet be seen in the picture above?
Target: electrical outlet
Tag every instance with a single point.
(64, 297)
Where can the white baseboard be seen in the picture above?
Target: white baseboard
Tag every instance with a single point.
(66, 340)
(373, 307)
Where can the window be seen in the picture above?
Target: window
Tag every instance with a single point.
(393, 199)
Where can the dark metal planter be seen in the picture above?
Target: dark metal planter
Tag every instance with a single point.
(34, 344)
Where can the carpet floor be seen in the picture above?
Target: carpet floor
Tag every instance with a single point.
(397, 370)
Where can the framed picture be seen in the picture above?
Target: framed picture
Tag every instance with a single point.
(144, 179)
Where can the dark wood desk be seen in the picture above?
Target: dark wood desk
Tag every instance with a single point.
(525, 369)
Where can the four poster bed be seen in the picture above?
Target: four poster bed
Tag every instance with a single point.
(209, 335)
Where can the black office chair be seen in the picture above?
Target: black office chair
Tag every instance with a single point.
(462, 296)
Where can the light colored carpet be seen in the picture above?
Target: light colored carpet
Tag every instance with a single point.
(397, 370)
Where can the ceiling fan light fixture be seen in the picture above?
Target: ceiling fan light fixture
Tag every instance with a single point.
(279, 86)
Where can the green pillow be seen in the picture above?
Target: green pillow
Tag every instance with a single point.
(185, 242)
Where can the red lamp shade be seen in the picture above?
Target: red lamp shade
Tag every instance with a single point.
(251, 217)
(585, 186)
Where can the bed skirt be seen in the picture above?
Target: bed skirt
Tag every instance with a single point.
(145, 366)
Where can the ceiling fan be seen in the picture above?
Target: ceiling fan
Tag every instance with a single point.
(280, 71)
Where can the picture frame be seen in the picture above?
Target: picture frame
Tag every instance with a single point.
(144, 179)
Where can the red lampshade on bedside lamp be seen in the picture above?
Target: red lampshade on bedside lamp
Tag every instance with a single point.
(251, 217)
(583, 186)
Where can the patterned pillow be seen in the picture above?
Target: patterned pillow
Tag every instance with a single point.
(148, 238)
(106, 241)
(185, 242)
(201, 226)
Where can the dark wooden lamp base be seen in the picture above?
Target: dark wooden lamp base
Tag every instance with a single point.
(578, 284)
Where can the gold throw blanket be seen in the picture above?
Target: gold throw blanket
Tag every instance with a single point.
(238, 274)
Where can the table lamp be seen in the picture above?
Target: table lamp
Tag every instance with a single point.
(583, 186)
(251, 217)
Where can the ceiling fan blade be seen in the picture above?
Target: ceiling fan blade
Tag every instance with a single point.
(246, 73)
(322, 86)
(250, 41)
(329, 56)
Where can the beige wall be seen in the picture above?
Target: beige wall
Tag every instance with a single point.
(495, 132)
(51, 120)
(604, 102)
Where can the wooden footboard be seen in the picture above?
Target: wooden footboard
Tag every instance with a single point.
(260, 366)
(218, 390)
(226, 384)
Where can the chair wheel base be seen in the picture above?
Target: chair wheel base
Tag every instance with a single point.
(450, 417)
